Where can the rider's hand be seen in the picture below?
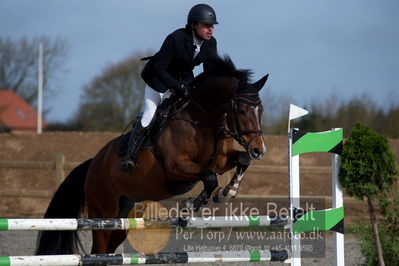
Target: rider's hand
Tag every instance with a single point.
(182, 90)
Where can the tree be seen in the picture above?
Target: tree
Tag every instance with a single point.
(112, 99)
(333, 111)
(368, 170)
(19, 65)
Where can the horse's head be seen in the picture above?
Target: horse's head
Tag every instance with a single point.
(245, 116)
(225, 89)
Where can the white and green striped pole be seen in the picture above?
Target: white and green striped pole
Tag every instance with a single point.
(337, 203)
(140, 223)
(294, 201)
(294, 184)
(138, 258)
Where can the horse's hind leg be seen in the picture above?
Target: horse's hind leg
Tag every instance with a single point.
(117, 237)
(103, 205)
(230, 191)
(100, 242)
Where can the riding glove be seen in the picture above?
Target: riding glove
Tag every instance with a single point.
(182, 90)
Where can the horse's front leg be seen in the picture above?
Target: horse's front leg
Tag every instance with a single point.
(230, 191)
(209, 178)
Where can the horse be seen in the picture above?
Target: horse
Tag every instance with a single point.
(194, 144)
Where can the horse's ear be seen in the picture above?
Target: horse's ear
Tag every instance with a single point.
(260, 83)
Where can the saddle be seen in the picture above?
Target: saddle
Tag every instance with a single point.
(164, 114)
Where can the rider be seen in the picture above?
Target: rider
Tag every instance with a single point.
(171, 69)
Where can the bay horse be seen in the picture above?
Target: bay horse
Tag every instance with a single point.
(196, 144)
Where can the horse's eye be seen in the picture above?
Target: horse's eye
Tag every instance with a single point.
(241, 112)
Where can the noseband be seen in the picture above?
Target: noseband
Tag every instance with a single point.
(237, 132)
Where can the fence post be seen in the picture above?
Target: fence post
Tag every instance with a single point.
(337, 202)
(59, 169)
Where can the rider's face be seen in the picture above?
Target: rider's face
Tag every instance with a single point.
(204, 31)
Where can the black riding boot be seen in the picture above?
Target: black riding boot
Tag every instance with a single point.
(136, 139)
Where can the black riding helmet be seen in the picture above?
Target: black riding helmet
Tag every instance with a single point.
(202, 13)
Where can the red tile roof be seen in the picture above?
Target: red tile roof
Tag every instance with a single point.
(16, 113)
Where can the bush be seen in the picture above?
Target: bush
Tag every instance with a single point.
(368, 171)
(368, 164)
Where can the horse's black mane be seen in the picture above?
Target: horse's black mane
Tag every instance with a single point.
(224, 67)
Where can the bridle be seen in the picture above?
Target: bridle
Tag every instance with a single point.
(236, 132)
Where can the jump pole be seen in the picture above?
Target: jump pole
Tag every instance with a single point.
(140, 223)
(138, 258)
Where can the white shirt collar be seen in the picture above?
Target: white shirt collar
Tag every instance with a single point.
(197, 42)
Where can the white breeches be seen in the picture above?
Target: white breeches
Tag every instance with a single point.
(152, 99)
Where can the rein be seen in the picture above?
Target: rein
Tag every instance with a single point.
(197, 123)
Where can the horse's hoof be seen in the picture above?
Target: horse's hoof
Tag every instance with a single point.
(215, 199)
(198, 203)
(191, 205)
(216, 195)
(187, 206)
(197, 207)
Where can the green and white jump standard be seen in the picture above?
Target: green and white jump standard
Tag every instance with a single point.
(301, 142)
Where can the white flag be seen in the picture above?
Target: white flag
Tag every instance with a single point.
(296, 111)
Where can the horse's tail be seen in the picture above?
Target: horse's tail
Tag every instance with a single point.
(68, 202)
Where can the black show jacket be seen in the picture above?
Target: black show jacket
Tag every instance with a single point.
(173, 65)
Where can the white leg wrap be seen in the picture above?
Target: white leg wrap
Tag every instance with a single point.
(231, 193)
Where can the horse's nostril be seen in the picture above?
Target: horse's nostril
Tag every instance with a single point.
(257, 152)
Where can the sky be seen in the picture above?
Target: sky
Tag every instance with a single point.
(312, 49)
